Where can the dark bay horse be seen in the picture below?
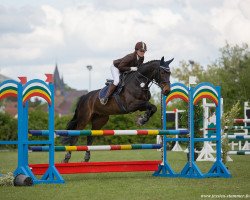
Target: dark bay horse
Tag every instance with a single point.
(134, 96)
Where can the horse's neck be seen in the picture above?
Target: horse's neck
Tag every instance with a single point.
(135, 89)
(134, 82)
(149, 70)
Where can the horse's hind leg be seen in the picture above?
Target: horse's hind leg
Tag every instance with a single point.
(90, 140)
(85, 118)
(68, 154)
(98, 121)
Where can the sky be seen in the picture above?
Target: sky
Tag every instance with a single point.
(35, 35)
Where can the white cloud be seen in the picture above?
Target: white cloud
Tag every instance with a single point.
(82, 33)
(232, 22)
(31, 45)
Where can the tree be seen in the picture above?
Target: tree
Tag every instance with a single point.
(230, 71)
(233, 70)
(8, 129)
(186, 69)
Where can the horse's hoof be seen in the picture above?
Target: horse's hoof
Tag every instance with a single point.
(141, 121)
(83, 161)
(87, 157)
(65, 161)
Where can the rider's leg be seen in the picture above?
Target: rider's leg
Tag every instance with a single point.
(116, 75)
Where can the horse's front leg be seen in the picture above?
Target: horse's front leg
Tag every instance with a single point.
(150, 110)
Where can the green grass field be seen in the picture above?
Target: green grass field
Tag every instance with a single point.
(141, 185)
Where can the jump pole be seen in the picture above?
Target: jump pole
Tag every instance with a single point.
(98, 167)
(241, 120)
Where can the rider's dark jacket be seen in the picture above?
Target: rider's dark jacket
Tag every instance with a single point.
(130, 60)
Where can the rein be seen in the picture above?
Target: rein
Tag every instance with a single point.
(148, 80)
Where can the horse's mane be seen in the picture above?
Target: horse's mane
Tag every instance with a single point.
(149, 62)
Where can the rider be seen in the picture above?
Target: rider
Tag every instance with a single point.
(128, 63)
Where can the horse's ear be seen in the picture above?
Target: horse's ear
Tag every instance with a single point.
(169, 61)
(162, 61)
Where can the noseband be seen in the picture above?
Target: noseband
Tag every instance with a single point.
(156, 80)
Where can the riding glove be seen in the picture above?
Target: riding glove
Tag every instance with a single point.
(133, 68)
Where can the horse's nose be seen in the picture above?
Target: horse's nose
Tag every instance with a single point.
(166, 90)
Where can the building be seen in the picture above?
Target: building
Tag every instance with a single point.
(58, 83)
(65, 97)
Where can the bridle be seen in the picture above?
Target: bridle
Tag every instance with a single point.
(161, 84)
(156, 80)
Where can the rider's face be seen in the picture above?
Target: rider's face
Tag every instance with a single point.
(141, 52)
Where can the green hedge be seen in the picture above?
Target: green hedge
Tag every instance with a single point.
(8, 130)
(38, 120)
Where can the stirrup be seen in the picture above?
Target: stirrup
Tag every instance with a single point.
(104, 100)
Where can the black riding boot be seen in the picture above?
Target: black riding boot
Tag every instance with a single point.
(111, 89)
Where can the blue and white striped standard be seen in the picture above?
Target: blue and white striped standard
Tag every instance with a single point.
(239, 137)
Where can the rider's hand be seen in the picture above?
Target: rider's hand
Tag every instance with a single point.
(133, 68)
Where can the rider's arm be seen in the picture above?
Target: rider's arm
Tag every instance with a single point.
(139, 62)
(125, 63)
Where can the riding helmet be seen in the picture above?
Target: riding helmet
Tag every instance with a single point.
(141, 45)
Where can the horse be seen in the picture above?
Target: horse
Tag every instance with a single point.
(134, 96)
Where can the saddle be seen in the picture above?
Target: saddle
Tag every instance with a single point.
(117, 91)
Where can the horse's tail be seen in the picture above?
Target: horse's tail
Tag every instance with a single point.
(72, 125)
(73, 122)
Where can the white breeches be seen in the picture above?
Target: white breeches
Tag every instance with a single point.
(116, 74)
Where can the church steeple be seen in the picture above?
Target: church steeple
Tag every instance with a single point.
(58, 82)
(56, 73)
(62, 80)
